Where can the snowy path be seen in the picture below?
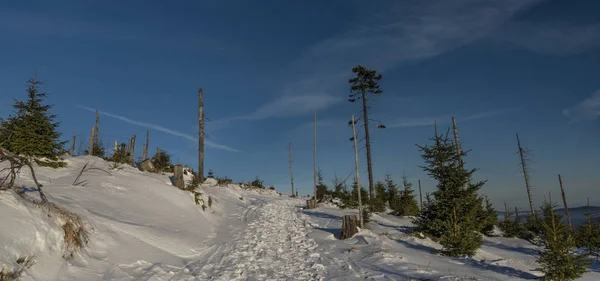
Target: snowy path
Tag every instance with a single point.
(273, 246)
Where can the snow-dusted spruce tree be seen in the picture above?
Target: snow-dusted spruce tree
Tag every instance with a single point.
(489, 218)
(407, 205)
(33, 130)
(98, 150)
(588, 235)
(557, 259)
(511, 227)
(321, 186)
(452, 209)
(393, 193)
(381, 195)
(161, 160)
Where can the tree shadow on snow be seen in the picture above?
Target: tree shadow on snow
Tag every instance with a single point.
(509, 271)
(403, 229)
(418, 247)
(322, 215)
(337, 232)
(526, 251)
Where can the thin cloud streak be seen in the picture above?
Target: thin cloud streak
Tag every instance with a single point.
(161, 129)
(428, 121)
(586, 110)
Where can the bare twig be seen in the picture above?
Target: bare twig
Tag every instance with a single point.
(87, 169)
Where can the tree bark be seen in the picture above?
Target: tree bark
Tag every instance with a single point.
(315, 158)
(311, 204)
(91, 147)
(145, 156)
(349, 226)
(178, 176)
(562, 191)
(200, 136)
(526, 176)
(360, 214)
(291, 173)
(73, 145)
(116, 147)
(368, 142)
(97, 127)
(132, 148)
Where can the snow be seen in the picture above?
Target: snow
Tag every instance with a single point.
(143, 228)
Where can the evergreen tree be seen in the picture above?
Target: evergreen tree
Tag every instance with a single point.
(510, 227)
(381, 196)
(32, 131)
(588, 235)
(211, 174)
(393, 193)
(338, 187)
(557, 258)
(161, 160)
(352, 200)
(488, 218)
(444, 164)
(97, 150)
(321, 186)
(121, 155)
(408, 205)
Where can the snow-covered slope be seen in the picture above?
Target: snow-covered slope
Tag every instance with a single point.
(143, 228)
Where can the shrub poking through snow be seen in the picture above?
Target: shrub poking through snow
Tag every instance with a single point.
(241, 198)
(210, 200)
(76, 234)
(193, 183)
(258, 183)
(121, 155)
(15, 274)
(224, 181)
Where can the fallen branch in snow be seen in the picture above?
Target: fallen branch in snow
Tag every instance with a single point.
(17, 162)
(15, 273)
(85, 168)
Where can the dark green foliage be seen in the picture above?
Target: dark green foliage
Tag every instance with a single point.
(588, 236)
(557, 259)
(97, 150)
(321, 186)
(407, 204)
(351, 200)
(121, 155)
(460, 236)
(32, 131)
(161, 160)
(339, 188)
(393, 193)
(193, 183)
(258, 183)
(488, 217)
(511, 227)
(381, 196)
(444, 165)
(366, 215)
(224, 180)
(211, 174)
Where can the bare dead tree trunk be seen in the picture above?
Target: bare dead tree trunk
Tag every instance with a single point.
(516, 214)
(420, 197)
(315, 158)
(505, 207)
(145, 156)
(526, 176)
(132, 148)
(291, 173)
(96, 136)
(360, 214)
(368, 144)
(457, 141)
(200, 136)
(92, 137)
(562, 191)
(116, 147)
(73, 145)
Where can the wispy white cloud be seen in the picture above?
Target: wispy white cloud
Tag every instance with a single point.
(161, 129)
(553, 38)
(586, 110)
(428, 121)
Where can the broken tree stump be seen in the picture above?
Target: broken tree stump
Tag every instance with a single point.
(311, 204)
(178, 176)
(147, 166)
(349, 226)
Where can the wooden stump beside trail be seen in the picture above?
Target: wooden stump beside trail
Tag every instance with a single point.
(349, 226)
(311, 204)
(147, 166)
(178, 177)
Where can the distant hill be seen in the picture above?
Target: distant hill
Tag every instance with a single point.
(577, 214)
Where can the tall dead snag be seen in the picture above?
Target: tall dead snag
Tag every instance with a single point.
(357, 175)
(92, 138)
(315, 159)
(457, 140)
(145, 154)
(349, 226)
(97, 127)
(200, 136)
(72, 146)
(526, 176)
(291, 173)
(116, 147)
(132, 148)
(564, 198)
(420, 197)
(365, 85)
(178, 176)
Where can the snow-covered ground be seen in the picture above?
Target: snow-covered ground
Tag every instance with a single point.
(143, 228)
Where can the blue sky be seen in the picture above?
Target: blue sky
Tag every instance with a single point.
(498, 66)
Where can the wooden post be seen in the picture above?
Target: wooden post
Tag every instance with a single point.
(73, 145)
(178, 176)
(420, 195)
(200, 136)
(145, 154)
(291, 173)
(562, 191)
(315, 158)
(132, 148)
(360, 214)
(348, 226)
(91, 147)
(526, 176)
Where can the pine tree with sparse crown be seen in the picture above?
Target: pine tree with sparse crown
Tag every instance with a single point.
(32, 131)
(557, 258)
(408, 205)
